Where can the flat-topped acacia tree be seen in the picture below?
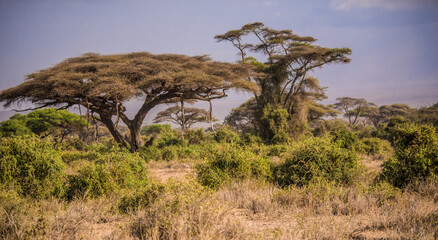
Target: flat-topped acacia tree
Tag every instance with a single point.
(103, 83)
(286, 61)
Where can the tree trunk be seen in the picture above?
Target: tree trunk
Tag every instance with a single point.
(183, 117)
(135, 138)
(113, 130)
(210, 115)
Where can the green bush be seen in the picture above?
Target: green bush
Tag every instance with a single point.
(251, 139)
(276, 125)
(116, 170)
(162, 135)
(150, 153)
(375, 146)
(226, 135)
(197, 136)
(232, 162)
(277, 150)
(328, 126)
(140, 198)
(344, 139)
(32, 166)
(169, 153)
(15, 126)
(416, 154)
(317, 158)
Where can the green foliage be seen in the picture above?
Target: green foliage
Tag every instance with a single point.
(345, 139)
(197, 136)
(317, 158)
(226, 135)
(375, 146)
(150, 153)
(389, 130)
(15, 126)
(232, 162)
(328, 126)
(169, 153)
(416, 154)
(140, 198)
(111, 172)
(250, 138)
(43, 122)
(277, 150)
(53, 121)
(31, 166)
(162, 135)
(156, 129)
(426, 115)
(276, 124)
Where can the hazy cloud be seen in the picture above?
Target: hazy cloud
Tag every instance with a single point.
(346, 5)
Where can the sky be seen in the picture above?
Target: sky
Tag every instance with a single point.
(394, 57)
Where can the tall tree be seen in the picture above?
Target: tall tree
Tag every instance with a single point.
(184, 117)
(44, 122)
(383, 113)
(353, 108)
(288, 59)
(103, 83)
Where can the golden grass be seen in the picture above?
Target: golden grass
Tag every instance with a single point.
(241, 210)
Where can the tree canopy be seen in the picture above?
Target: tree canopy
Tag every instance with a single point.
(103, 83)
(284, 72)
(184, 119)
(44, 122)
(353, 108)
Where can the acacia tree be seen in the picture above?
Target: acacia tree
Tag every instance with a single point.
(383, 113)
(184, 117)
(284, 78)
(353, 108)
(103, 83)
(44, 122)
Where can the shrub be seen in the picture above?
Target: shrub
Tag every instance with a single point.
(142, 198)
(250, 139)
(195, 136)
(330, 125)
(344, 139)
(150, 153)
(416, 154)
(226, 135)
(275, 120)
(15, 126)
(32, 166)
(375, 146)
(317, 158)
(118, 169)
(277, 150)
(233, 162)
(169, 153)
(162, 135)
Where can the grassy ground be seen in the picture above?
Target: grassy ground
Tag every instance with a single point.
(249, 209)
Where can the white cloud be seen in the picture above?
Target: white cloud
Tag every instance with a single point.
(346, 5)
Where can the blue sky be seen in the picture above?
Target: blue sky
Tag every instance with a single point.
(394, 56)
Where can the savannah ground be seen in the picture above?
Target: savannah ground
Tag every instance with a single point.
(172, 200)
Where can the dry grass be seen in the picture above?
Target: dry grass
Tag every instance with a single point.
(240, 210)
(267, 212)
(163, 171)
